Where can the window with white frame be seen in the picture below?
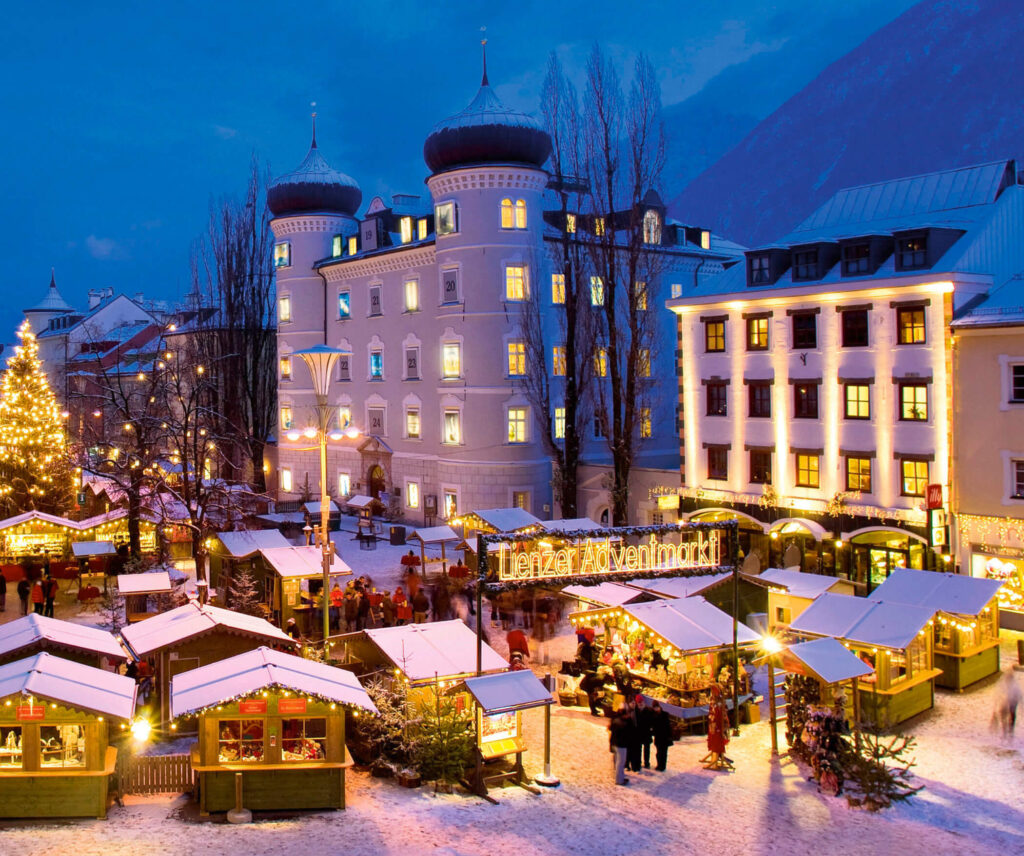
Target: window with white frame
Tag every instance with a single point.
(344, 305)
(286, 479)
(282, 254)
(421, 229)
(377, 364)
(412, 494)
(344, 484)
(284, 309)
(412, 363)
(558, 288)
(521, 499)
(376, 420)
(646, 426)
(337, 245)
(445, 219)
(452, 427)
(451, 360)
(412, 423)
(558, 363)
(516, 358)
(513, 214)
(517, 419)
(451, 503)
(376, 300)
(1017, 472)
(1017, 383)
(286, 417)
(596, 291)
(344, 416)
(515, 282)
(412, 295)
(652, 227)
(450, 286)
(405, 229)
(559, 423)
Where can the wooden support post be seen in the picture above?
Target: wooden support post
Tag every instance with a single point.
(772, 709)
(856, 712)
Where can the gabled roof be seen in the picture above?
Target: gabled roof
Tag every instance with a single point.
(571, 524)
(27, 516)
(508, 691)
(50, 678)
(260, 669)
(441, 649)
(606, 594)
(505, 519)
(858, 619)
(826, 659)
(247, 542)
(798, 583)
(314, 507)
(954, 593)
(302, 562)
(690, 624)
(45, 632)
(191, 620)
(152, 582)
(675, 587)
(434, 535)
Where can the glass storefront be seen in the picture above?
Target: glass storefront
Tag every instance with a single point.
(878, 554)
(1009, 569)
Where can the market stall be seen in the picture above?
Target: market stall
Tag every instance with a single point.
(492, 521)
(606, 594)
(55, 719)
(196, 635)
(76, 642)
(35, 533)
(966, 625)
(434, 536)
(670, 650)
(232, 551)
(296, 573)
(276, 719)
(894, 639)
(716, 589)
(790, 592)
(137, 589)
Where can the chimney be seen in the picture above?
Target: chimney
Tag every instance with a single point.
(139, 297)
(94, 298)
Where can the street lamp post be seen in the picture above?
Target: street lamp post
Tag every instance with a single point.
(320, 360)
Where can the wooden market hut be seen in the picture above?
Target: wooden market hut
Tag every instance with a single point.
(55, 719)
(287, 585)
(113, 526)
(606, 594)
(136, 590)
(231, 551)
(716, 589)
(434, 536)
(791, 591)
(196, 635)
(966, 625)
(491, 521)
(276, 719)
(79, 643)
(35, 533)
(895, 639)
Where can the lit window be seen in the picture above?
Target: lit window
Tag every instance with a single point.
(910, 325)
(805, 400)
(601, 362)
(652, 228)
(286, 368)
(559, 423)
(353, 245)
(286, 479)
(344, 416)
(757, 334)
(914, 402)
(444, 218)
(645, 423)
(508, 217)
(376, 419)
(558, 288)
(516, 359)
(337, 245)
(570, 224)
(705, 239)
(515, 282)
(405, 229)
(520, 213)
(714, 336)
(412, 423)
(858, 474)
(451, 504)
(451, 360)
(421, 229)
(282, 254)
(807, 471)
(644, 362)
(517, 424)
(284, 309)
(640, 293)
(412, 295)
(677, 289)
(452, 427)
(286, 416)
(558, 360)
(376, 364)
(521, 499)
(412, 494)
(596, 291)
(914, 477)
(344, 484)
(376, 304)
(858, 401)
(344, 304)
(599, 226)
(911, 253)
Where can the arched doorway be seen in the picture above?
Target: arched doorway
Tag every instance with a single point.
(878, 551)
(376, 482)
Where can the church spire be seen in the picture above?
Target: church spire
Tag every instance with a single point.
(483, 46)
(313, 105)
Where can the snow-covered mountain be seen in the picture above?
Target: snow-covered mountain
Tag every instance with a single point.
(940, 86)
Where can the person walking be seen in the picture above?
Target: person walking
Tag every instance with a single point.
(661, 731)
(1008, 699)
(619, 733)
(337, 605)
(24, 587)
(38, 597)
(50, 589)
(420, 607)
(387, 610)
(402, 610)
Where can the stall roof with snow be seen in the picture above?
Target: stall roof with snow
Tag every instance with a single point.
(607, 594)
(440, 649)
(826, 659)
(680, 586)
(191, 620)
(39, 632)
(798, 583)
(257, 670)
(89, 549)
(245, 543)
(72, 684)
(313, 507)
(571, 524)
(503, 519)
(508, 691)
(939, 591)
(152, 582)
(40, 516)
(302, 562)
(434, 535)
(359, 501)
(863, 620)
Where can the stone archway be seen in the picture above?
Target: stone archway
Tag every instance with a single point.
(376, 481)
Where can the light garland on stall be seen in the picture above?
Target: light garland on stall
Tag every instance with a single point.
(286, 692)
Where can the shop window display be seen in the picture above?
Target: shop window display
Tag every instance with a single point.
(303, 739)
(61, 746)
(10, 747)
(240, 740)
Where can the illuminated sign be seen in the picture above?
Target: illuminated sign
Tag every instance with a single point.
(600, 556)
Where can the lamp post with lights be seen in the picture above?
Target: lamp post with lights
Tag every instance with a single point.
(320, 360)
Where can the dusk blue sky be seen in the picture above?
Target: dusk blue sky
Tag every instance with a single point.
(123, 121)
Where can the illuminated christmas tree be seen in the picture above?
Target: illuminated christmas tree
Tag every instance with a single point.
(34, 469)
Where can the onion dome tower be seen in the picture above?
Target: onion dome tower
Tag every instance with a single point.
(313, 187)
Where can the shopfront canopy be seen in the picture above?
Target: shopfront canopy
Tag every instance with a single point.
(863, 620)
(90, 549)
(508, 691)
(690, 624)
(259, 669)
(38, 631)
(153, 582)
(300, 563)
(826, 659)
(434, 535)
(953, 593)
(246, 543)
(440, 649)
(607, 594)
(55, 679)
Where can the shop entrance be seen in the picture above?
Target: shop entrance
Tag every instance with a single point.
(877, 554)
(376, 482)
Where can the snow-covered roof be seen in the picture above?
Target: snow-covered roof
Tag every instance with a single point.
(798, 583)
(508, 691)
(153, 582)
(863, 620)
(506, 519)
(826, 659)
(257, 670)
(690, 624)
(604, 594)
(571, 524)
(186, 622)
(55, 679)
(52, 301)
(247, 542)
(679, 586)
(359, 501)
(29, 516)
(442, 649)
(85, 549)
(38, 629)
(302, 562)
(434, 535)
(314, 507)
(955, 593)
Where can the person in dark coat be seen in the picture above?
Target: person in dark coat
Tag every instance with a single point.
(362, 611)
(644, 715)
(50, 589)
(351, 610)
(420, 607)
(635, 748)
(387, 610)
(661, 731)
(24, 588)
(593, 684)
(586, 654)
(620, 733)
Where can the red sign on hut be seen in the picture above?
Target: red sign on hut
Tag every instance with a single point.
(291, 705)
(253, 705)
(31, 711)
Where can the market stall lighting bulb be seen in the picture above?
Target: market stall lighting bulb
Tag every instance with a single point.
(770, 645)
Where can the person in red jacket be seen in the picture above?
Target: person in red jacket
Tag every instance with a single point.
(38, 597)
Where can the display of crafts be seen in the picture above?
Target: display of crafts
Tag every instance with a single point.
(1011, 595)
(302, 749)
(247, 749)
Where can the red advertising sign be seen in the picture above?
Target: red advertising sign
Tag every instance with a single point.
(933, 497)
(31, 711)
(255, 705)
(291, 705)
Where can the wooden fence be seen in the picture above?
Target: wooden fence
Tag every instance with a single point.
(155, 774)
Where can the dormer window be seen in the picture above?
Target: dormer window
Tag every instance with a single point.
(652, 227)
(805, 265)
(911, 252)
(353, 245)
(337, 244)
(760, 269)
(421, 229)
(405, 229)
(857, 259)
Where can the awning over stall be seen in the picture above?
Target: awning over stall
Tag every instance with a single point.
(863, 620)
(440, 649)
(55, 679)
(302, 562)
(153, 582)
(508, 691)
(89, 549)
(826, 659)
(954, 593)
